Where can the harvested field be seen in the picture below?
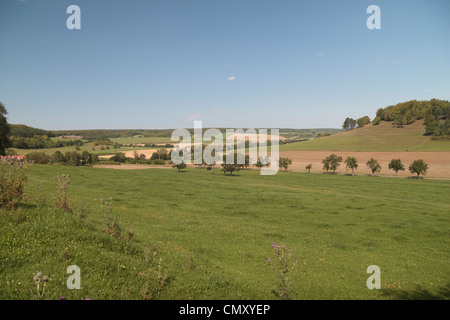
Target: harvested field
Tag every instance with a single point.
(130, 153)
(438, 161)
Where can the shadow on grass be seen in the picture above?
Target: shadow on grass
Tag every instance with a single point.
(26, 205)
(442, 293)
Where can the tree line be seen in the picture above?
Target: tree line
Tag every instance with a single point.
(40, 142)
(435, 113)
(332, 162)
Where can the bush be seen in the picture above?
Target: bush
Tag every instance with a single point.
(159, 162)
(119, 157)
(12, 180)
(38, 157)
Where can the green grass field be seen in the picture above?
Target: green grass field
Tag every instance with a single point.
(214, 233)
(382, 137)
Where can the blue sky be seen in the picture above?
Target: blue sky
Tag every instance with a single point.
(230, 63)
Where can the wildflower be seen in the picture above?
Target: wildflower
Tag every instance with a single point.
(62, 298)
(45, 279)
(268, 260)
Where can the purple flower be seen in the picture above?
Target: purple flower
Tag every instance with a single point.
(62, 298)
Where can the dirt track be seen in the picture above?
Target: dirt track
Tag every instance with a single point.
(438, 162)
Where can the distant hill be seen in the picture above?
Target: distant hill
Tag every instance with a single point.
(21, 130)
(407, 126)
(382, 137)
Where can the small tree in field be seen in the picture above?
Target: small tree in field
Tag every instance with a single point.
(331, 162)
(419, 167)
(351, 163)
(396, 165)
(309, 167)
(229, 168)
(180, 166)
(373, 165)
(284, 163)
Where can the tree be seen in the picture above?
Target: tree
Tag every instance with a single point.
(373, 165)
(73, 158)
(376, 121)
(86, 158)
(335, 162)
(331, 162)
(58, 157)
(229, 168)
(119, 157)
(284, 163)
(309, 167)
(349, 123)
(396, 165)
(4, 130)
(419, 167)
(361, 122)
(431, 127)
(180, 166)
(326, 163)
(351, 163)
(263, 162)
(346, 124)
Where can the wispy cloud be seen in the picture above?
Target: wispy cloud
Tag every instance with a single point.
(232, 78)
(194, 117)
(319, 54)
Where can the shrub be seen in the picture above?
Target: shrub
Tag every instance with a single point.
(282, 268)
(159, 162)
(119, 157)
(12, 181)
(180, 166)
(111, 224)
(63, 184)
(38, 157)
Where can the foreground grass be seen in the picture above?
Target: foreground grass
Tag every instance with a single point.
(214, 233)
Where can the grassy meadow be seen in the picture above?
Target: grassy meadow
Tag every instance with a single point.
(382, 137)
(213, 234)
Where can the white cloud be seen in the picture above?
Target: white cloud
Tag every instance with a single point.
(319, 54)
(232, 78)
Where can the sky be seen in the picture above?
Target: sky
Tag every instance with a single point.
(158, 64)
